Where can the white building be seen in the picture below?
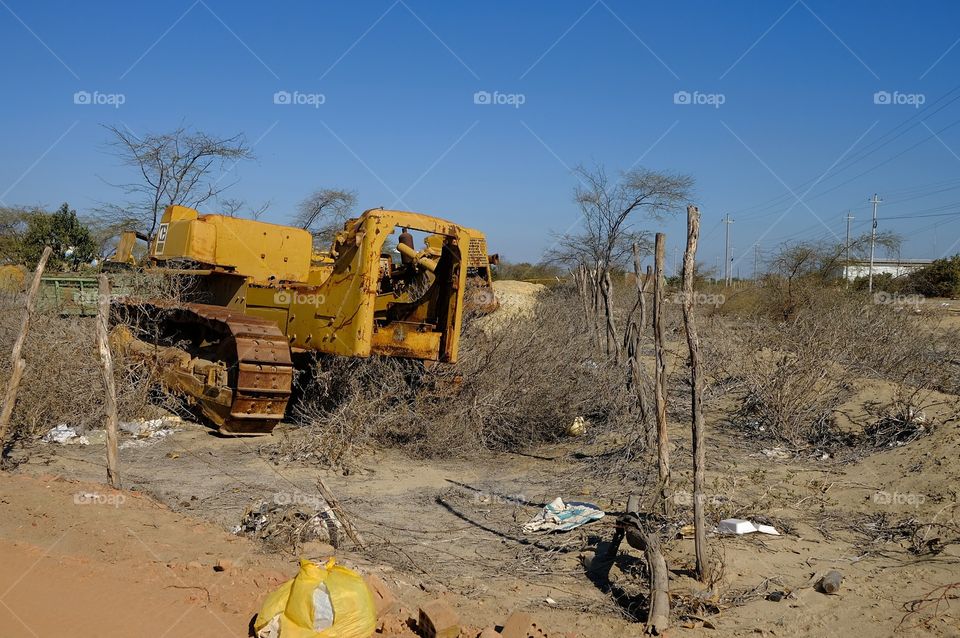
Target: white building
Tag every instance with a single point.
(895, 267)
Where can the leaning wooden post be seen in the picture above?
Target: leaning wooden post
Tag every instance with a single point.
(18, 362)
(110, 401)
(640, 534)
(696, 392)
(660, 394)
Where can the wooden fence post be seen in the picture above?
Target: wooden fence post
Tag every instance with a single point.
(110, 401)
(613, 344)
(660, 394)
(637, 529)
(696, 391)
(18, 362)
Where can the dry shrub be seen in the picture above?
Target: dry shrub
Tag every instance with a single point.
(793, 374)
(63, 382)
(516, 384)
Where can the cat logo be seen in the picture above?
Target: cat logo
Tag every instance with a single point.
(161, 239)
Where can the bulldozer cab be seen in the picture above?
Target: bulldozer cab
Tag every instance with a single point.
(410, 307)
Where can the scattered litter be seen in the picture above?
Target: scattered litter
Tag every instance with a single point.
(578, 427)
(830, 583)
(550, 601)
(65, 435)
(736, 526)
(320, 601)
(148, 432)
(775, 453)
(291, 522)
(741, 526)
(558, 516)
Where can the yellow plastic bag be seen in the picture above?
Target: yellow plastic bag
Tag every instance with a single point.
(297, 608)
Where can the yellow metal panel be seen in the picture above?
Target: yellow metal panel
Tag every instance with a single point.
(400, 340)
(264, 252)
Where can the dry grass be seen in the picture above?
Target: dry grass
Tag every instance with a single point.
(792, 374)
(516, 385)
(63, 382)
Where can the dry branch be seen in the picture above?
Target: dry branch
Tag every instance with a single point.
(640, 535)
(334, 504)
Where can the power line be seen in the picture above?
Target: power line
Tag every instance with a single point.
(869, 149)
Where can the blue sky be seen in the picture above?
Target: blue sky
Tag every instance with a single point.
(781, 98)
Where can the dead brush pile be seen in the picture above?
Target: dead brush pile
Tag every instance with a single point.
(792, 374)
(516, 385)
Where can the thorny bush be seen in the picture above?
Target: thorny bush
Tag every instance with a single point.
(521, 379)
(791, 375)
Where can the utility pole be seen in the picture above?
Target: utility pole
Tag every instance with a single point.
(756, 261)
(726, 253)
(873, 238)
(846, 269)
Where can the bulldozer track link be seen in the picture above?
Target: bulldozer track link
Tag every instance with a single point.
(256, 355)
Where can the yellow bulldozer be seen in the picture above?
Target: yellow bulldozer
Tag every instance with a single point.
(259, 293)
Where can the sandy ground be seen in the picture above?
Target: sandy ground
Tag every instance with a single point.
(141, 561)
(451, 529)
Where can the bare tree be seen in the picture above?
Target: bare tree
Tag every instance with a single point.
(609, 211)
(324, 212)
(799, 271)
(233, 207)
(823, 261)
(608, 232)
(180, 167)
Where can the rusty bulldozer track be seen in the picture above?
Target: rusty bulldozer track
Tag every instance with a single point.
(236, 368)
